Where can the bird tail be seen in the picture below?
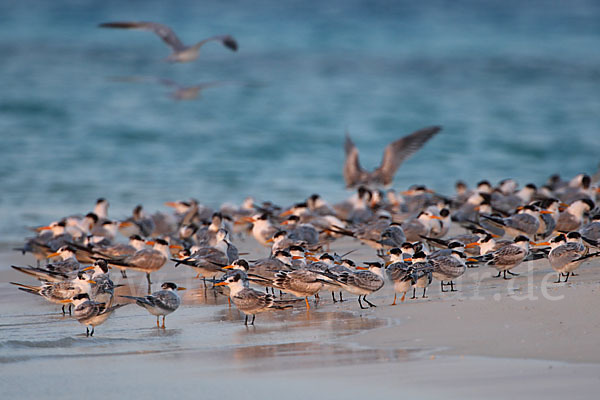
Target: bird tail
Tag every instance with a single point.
(27, 288)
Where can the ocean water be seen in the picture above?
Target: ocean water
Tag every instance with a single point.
(514, 84)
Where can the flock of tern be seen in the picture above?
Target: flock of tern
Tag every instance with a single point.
(417, 236)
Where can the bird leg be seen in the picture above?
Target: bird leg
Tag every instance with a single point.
(567, 277)
(157, 321)
(87, 332)
(333, 295)
(499, 274)
(574, 274)
(70, 306)
(505, 275)
(442, 283)
(163, 324)
(558, 281)
(512, 273)
(402, 298)
(414, 296)
(360, 304)
(452, 287)
(307, 305)
(341, 300)
(246, 320)
(368, 302)
(424, 297)
(253, 317)
(394, 303)
(63, 309)
(124, 274)
(92, 332)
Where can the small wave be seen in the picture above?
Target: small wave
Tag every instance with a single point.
(44, 344)
(58, 343)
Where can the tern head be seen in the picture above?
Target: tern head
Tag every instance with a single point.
(455, 245)
(561, 238)
(239, 264)
(231, 279)
(346, 262)
(102, 265)
(419, 256)
(444, 213)
(522, 239)
(573, 237)
(327, 258)
(170, 286)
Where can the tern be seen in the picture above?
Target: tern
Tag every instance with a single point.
(181, 52)
(395, 153)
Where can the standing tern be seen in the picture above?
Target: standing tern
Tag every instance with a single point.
(90, 313)
(250, 301)
(160, 303)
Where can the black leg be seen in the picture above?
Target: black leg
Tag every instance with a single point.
(341, 297)
(333, 295)
(87, 331)
(70, 306)
(253, 317)
(452, 287)
(246, 321)
(414, 293)
(92, 332)
(574, 274)
(123, 273)
(558, 281)
(267, 290)
(512, 273)
(63, 309)
(424, 297)
(442, 284)
(204, 281)
(567, 277)
(368, 302)
(360, 304)
(499, 274)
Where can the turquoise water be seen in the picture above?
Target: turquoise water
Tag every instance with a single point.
(515, 85)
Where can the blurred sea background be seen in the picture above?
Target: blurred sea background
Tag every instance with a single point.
(516, 86)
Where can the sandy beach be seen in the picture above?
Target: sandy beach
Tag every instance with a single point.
(495, 338)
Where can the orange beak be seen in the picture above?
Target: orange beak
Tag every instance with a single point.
(494, 235)
(171, 204)
(297, 258)
(363, 268)
(248, 219)
(125, 224)
(227, 267)
(181, 288)
(88, 268)
(150, 242)
(469, 245)
(270, 240)
(542, 244)
(221, 283)
(545, 212)
(175, 246)
(312, 258)
(43, 228)
(436, 217)
(286, 213)
(53, 255)
(472, 260)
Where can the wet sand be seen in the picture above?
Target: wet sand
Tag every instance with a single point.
(493, 338)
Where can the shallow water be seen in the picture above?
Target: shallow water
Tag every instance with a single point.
(513, 83)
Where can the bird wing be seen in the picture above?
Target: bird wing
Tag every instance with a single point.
(353, 172)
(227, 41)
(163, 31)
(252, 300)
(396, 152)
(508, 255)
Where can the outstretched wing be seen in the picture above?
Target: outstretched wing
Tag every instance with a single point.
(226, 40)
(353, 172)
(398, 151)
(163, 31)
